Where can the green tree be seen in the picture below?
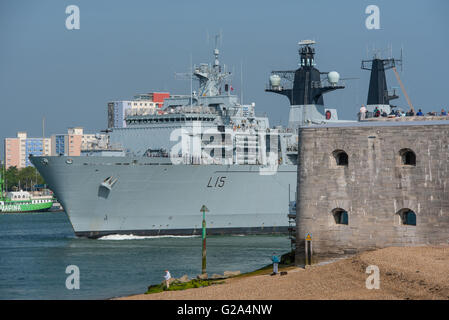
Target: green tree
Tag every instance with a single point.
(11, 178)
(26, 177)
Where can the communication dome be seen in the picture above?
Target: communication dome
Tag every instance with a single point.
(275, 80)
(333, 77)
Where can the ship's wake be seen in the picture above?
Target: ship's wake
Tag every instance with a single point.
(134, 237)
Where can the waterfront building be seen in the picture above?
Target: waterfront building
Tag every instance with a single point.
(17, 150)
(69, 143)
(75, 141)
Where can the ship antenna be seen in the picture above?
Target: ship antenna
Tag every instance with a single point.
(43, 136)
(216, 53)
(191, 81)
(241, 82)
(402, 61)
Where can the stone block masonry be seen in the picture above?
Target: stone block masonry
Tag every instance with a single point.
(372, 185)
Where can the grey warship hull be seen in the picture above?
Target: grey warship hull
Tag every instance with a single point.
(151, 197)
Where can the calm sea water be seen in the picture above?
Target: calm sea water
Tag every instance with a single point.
(36, 248)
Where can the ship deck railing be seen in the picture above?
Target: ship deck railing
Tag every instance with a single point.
(429, 116)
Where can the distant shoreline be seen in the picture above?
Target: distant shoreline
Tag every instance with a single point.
(406, 273)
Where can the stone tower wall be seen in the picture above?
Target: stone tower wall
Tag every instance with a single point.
(373, 187)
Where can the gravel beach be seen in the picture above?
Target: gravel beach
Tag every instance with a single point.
(405, 273)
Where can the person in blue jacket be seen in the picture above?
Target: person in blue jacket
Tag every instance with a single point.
(420, 113)
(276, 261)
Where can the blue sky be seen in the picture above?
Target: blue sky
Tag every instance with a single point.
(128, 47)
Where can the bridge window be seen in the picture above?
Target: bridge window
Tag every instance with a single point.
(408, 157)
(407, 217)
(340, 216)
(341, 158)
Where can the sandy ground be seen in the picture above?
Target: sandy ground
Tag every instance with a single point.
(405, 273)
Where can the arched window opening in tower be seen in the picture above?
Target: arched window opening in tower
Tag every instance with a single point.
(340, 216)
(407, 216)
(341, 158)
(408, 157)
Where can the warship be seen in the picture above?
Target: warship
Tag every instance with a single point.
(205, 148)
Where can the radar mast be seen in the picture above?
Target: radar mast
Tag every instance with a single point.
(303, 86)
(211, 78)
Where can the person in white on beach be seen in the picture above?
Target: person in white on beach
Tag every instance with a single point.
(167, 277)
(363, 111)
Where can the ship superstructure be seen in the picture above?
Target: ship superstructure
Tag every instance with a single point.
(378, 95)
(209, 126)
(305, 88)
(205, 148)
